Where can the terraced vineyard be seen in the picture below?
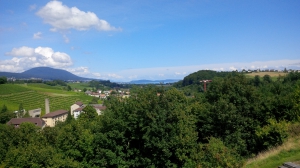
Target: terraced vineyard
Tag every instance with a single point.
(32, 99)
(9, 89)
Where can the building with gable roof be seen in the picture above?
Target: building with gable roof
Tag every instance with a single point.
(76, 106)
(52, 118)
(76, 112)
(16, 122)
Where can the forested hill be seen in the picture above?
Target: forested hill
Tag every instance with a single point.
(44, 73)
(195, 77)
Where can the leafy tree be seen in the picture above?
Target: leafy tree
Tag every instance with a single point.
(233, 113)
(69, 118)
(69, 88)
(216, 154)
(7, 134)
(4, 109)
(114, 92)
(256, 81)
(21, 111)
(37, 156)
(272, 134)
(5, 115)
(89, 113)
(75, 142)
(3, 80)
(26, 115)
(94, 100)
(296, 99)
(267, 79)
(147, 130)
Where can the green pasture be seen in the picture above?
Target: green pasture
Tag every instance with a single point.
(33, 96)
(80, 86)
(6, 89)
(274, 75)
(292, 155)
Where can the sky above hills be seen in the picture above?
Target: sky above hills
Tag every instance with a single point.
(130, 40)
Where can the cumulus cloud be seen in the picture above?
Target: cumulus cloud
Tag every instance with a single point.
(180, 73)
(114, 76)
(133, 77)
(37, 35)
(32, 7)
(66, 39)
(22, 51)
(62, 17)
(97, 74)
(27, 57)
(79, 70)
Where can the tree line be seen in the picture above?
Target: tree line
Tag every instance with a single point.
(234, 119)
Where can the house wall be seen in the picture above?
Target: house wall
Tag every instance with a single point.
(76, 114)
(35, 112)
(74, 107)
(51, 121)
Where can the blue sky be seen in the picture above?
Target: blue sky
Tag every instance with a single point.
(136, 39)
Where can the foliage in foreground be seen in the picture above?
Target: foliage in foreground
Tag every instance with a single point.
(236, 118)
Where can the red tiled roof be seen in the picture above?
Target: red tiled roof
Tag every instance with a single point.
(100, 107)
(18, 121)
(79, 103)
(79, 109)
(55, 113)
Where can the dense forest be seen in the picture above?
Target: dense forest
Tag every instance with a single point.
(236, 118)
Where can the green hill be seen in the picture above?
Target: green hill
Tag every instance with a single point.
(33, 96)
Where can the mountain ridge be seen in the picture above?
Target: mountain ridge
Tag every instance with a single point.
(45, 73)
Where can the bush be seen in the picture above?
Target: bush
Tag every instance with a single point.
(216, 154)
(272, 134)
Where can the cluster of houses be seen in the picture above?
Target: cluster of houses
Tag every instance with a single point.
(268, 70)
(50, 119)
(104, 94)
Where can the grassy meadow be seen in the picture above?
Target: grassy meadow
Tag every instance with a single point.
(273, 75)
(80, 86)
(289, 151)
(33, 96)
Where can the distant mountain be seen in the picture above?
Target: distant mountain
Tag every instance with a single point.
(45, 73)
(144, 81)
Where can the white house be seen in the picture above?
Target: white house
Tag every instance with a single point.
(76, 112)
(76, 106)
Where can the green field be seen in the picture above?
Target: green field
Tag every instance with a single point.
(288, 152)
(273, 75)
(80, 86)
(33, 96)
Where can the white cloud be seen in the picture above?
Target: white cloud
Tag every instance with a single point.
(37, 35)
(26, 57)
(97, 74)
(161, 75)
(62, 17)
(133, 77)
(22, 51)
(66, 39)
(180, 72)
(79, 70)
(32, 7)
(232, 68)
(114, 76)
